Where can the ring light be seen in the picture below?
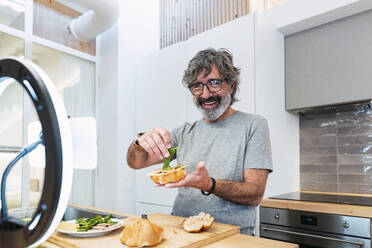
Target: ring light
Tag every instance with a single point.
(58, 156)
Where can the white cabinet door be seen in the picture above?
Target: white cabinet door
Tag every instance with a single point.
(160, 101)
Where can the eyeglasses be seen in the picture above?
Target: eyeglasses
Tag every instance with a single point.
(213, 85)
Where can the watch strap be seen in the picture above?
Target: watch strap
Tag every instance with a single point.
(211, 190)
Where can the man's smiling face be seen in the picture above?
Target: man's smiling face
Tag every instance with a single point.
(213, 104)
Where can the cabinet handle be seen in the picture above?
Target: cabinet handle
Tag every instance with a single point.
(360, 244)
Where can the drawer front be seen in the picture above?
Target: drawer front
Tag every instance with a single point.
(312, 238)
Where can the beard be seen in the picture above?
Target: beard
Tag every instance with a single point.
(213, 113)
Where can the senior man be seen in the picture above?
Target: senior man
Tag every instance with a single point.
(228, 152)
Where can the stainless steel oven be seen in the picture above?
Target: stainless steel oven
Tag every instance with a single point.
(315, 230)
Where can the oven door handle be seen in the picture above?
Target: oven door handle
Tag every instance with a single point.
(360, 244)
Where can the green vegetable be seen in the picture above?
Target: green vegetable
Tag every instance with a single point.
(85, 224)
(167, 160)
(26, 219)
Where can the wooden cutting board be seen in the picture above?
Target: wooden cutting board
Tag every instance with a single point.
(174, 235)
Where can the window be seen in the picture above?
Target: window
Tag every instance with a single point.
(58, 29)
(72, 68)
(74, 78)
(12, 13)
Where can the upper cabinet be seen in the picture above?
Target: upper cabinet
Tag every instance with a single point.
(330, 64)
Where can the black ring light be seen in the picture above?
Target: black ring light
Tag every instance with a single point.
(58, 151)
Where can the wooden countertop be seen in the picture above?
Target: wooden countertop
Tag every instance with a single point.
(243, 241)
(320, 207)
(112, 239)
(234, 241)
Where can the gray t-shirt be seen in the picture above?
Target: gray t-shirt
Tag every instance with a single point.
(240, 141)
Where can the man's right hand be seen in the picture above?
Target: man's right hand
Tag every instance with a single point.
(156, 142)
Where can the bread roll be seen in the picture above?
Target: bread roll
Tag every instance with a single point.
(142, 233)
(198, 223)
(168, 176)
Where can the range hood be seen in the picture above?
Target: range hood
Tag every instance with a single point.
(329, 66)
(327, 109)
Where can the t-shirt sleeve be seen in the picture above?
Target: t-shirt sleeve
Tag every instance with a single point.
(258, 150)
(176, 134)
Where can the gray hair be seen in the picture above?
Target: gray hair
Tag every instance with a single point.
(204, 59)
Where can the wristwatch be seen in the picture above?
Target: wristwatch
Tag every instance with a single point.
(211, 190)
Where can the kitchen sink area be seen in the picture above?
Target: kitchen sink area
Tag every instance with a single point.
(71, 213)
(74, 212)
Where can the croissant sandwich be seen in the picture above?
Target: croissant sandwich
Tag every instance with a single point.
(168, 174)
(171, 175)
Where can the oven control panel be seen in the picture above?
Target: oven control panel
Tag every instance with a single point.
(309, 220)
(338, 224)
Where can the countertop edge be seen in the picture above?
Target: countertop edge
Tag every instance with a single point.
(319, 207)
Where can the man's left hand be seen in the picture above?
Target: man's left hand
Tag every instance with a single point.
(198, 179)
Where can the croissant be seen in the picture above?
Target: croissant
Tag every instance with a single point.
(142, 233)
(198, 223)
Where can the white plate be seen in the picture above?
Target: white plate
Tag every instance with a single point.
(92, 232)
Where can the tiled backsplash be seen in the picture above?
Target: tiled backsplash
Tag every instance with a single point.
(336, 151)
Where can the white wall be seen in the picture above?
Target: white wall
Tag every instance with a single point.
(270, 103)
(135, 35)
(107, 119)
(160, 101)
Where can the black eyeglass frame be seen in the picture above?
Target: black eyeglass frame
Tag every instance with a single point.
(206, 85)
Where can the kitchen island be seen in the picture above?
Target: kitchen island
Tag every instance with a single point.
(220, 235)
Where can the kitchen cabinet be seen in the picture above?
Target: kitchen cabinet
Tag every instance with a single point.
(330, 64)
(161, 100)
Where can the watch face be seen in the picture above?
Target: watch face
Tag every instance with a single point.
(43, 122)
